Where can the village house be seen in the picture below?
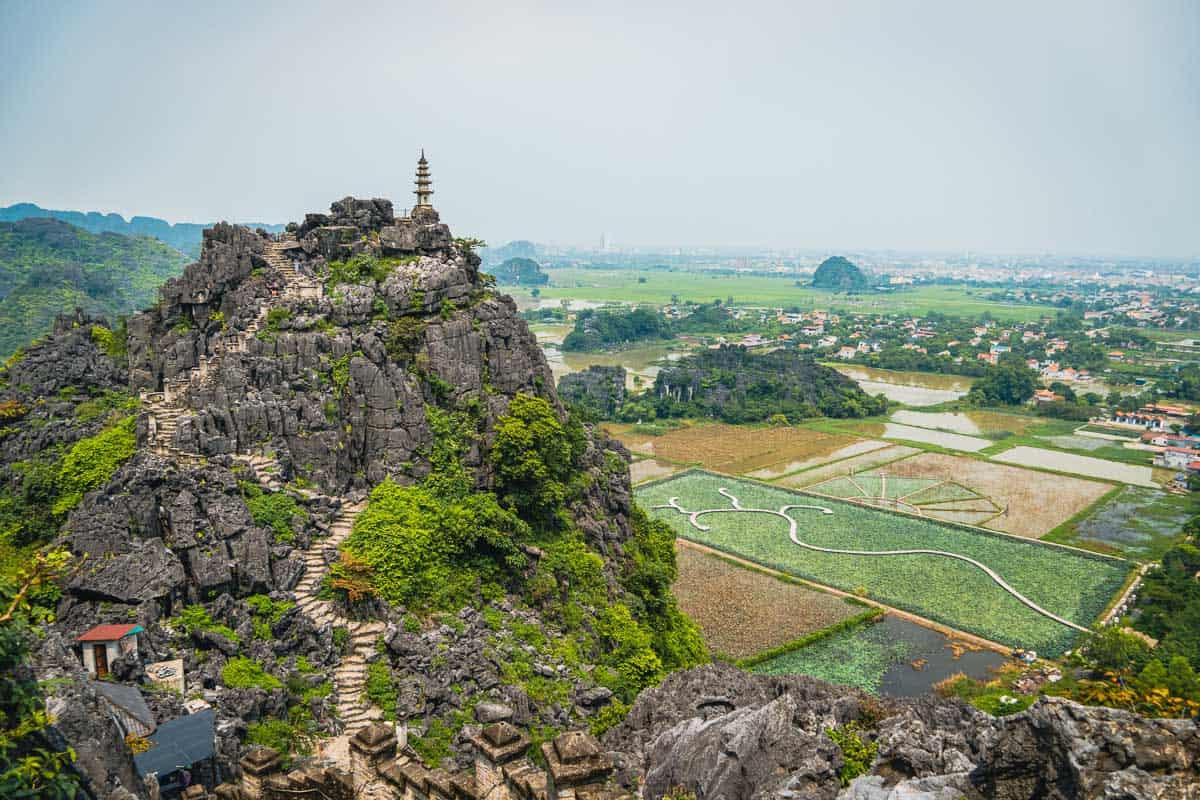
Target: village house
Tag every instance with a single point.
(1153, 422)
(1177, 458)
(104, 644)
(1047, 396)
(846, 353)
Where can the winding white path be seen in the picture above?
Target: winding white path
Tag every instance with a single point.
(736, 506)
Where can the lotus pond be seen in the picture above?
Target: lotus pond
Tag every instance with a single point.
(891, 657)
(1069, 583)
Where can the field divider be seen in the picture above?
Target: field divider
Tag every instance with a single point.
(925, 622)
(871, 615)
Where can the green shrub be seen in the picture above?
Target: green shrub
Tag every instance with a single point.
(427, 553)
(380, 688)
(244, 673)
(434, 745)
(364, 268)
(274, 510)
(610, 716)
(857, 752)
(113, 343)
(91, 462)
(106, 403)
(534, 455)
(196, 618)
(289, 739)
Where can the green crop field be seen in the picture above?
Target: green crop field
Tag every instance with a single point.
(1071, 584)
(623, 286)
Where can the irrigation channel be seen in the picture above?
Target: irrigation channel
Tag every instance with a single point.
(736, 507)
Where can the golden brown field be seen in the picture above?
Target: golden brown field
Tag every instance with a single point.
(1036, 502)
(739, 449)
(742, 612)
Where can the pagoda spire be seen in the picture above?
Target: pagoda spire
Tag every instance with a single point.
(423, 183)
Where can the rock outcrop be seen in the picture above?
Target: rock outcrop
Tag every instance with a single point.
(600, 390)
(720, 732)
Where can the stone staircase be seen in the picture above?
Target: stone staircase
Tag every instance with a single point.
(279, 256)
(350, 676)
(168, 406)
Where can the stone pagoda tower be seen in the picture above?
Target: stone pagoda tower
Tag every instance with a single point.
(424, 190)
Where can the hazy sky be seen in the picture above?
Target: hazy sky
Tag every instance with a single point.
(1005, 126)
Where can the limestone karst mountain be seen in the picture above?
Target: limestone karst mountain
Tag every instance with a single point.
(212, 469)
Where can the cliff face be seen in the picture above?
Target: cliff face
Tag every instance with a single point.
(720, 732)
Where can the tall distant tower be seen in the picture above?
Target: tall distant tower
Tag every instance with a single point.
(424, 183)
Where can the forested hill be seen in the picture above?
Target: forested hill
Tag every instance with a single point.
(183, 236)
(839, 274)
(48, 267)
(736, 385)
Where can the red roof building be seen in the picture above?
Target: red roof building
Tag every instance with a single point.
(109, 633)
(104, 644)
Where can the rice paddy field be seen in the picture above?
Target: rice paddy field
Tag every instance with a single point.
(946, 439)
(1088, 466)
(846, 466)
(590, 287)
(744, 448)
(1072, 584)
(1028, 507)
(742, 612)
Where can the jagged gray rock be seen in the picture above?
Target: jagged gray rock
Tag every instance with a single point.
(598, 389)
(724, 733)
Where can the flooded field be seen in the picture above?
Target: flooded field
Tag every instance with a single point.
(910, 388)
(1078, 465)
(955, 422)
(648, 469)
(892, 657)
(951, 441)
(848, 465)
(1027, 508)
(1137, 523)
(795, 465)
(641, 363)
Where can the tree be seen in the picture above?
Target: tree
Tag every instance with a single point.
(30, 764)
(1008, 383)
(534, 455)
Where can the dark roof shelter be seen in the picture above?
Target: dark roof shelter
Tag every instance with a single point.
(179, 744)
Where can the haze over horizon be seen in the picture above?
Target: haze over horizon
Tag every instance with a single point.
(940, 126)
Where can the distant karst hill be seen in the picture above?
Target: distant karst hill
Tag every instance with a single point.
(839, 274)
(48, 267)
(183, 236)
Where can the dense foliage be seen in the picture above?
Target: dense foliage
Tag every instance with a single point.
(32, 765)
(92, 461)
(1169, 605)
(49, 268)
(520, 271)
(839, 274)
(1008, 383)
(438, 545)
(737, 385)
(597, 330)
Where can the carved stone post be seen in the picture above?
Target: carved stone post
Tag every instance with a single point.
(258, 765)
(495, 746)
(369, 749)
